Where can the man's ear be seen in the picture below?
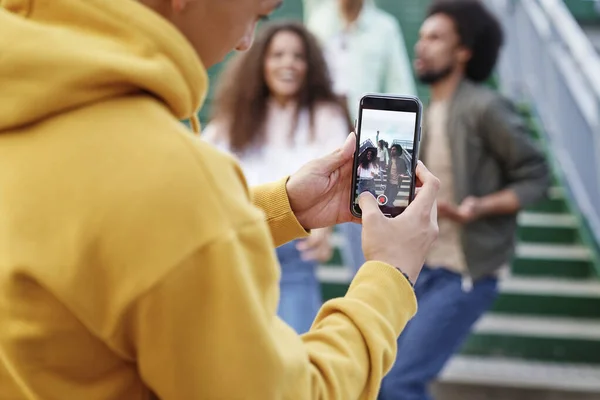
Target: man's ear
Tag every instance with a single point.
(464, 55)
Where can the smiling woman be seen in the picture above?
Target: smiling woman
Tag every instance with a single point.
(286, 65)
(276, 111)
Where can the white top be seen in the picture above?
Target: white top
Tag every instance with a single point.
(368, 173)
(383, 155)
(280, 156)
(339, 60)
(370, 56)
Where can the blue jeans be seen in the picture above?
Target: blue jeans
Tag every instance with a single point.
(443, 321)
(366, 185)
(351, 248)
(300, 298)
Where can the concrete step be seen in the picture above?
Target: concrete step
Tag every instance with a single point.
(577, 298)
(539, 327)
(556, 203)
(543, 251)
(458, 391)
(537, 227)
(498, 372)
(546, 220)
(557, 297)
(538, 338)
(553, 260)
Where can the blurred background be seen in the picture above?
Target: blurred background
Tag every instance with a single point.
(541, 340)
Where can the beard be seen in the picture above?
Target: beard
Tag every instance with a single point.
(432, 77)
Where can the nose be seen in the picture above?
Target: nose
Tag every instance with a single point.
(417, 48)
(246, 41)
(288, 61)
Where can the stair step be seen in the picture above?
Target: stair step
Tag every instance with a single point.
(334, 274)
(536, 338)
(542, 251)
(539, 327)
(577, 298)
(556, 193)
(533, 348)
(552, 259)
(515, 373)
(556, 202)
(551, 286)
(571, 269)
(547, 220)
(539, 227)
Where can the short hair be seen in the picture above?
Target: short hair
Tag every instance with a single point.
(397, 147)
(479, 31)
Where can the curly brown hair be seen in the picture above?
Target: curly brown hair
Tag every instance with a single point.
(242, 92)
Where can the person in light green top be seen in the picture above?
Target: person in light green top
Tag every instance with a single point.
(365, 51)
(364, 47)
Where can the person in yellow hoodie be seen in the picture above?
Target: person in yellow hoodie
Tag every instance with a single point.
(134, 261)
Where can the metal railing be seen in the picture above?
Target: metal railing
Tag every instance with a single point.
(548, 62)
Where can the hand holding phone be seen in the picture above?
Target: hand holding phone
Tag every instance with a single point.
(403, 241)
(388, 135)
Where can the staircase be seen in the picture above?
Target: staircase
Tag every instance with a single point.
(541, 339)
(544, 330)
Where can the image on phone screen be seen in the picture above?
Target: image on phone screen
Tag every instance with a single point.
(387, 153)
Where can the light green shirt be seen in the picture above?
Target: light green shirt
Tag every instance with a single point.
(375, 57)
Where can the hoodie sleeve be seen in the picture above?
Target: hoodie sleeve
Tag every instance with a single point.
(210, 330)
(273, 200)
(208, 327)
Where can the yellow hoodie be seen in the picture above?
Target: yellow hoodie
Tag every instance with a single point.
(132, 258)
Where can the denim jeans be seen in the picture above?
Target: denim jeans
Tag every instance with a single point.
(366, 185)
(351, 248)
(391, 192)
(300, 298)
(443, 321)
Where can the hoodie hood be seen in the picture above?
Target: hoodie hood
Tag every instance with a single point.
(57, 55)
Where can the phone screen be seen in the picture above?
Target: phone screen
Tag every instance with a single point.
(388, 137)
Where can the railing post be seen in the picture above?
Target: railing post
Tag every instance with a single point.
(596, 139)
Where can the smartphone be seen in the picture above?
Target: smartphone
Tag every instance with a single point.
(388, 133)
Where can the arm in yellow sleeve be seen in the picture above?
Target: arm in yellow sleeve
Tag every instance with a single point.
(209, 329)
(272, 198)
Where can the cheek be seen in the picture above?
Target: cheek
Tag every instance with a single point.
(445, 56)
(303, 71)
(269, 74)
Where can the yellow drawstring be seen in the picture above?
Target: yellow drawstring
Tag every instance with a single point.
(195, 123)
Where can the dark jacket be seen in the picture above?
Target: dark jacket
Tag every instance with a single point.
(491, 150)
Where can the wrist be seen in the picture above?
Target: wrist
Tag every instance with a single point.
(289, 189)
(483, 207)
(407, 277)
